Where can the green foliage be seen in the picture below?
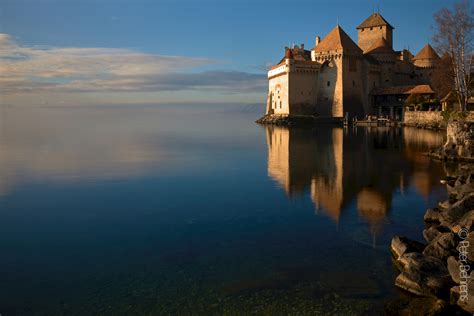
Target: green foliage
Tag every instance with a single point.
(415, 99)
(454, 115)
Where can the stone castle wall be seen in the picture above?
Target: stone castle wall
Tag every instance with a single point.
(423, 118)
(367, 37)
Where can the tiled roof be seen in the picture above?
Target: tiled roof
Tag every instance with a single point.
(337, 39)
(374, 20)
(420, 89)
(426, 52)
(380, 47)
(298, 54)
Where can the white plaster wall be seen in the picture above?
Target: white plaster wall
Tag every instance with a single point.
(278, 86)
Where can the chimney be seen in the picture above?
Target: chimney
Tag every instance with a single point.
(318, 39)
(302, 46)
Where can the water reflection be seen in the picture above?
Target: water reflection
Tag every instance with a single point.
(75, 144)
(361, 166)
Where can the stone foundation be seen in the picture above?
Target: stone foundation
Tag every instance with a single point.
(296, 120)
(424, 119)
(459, 145)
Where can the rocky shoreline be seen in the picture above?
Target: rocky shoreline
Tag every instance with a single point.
(295, 120)
(439, 272)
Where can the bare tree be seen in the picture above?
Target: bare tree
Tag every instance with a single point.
(454, 36)
(442, 76)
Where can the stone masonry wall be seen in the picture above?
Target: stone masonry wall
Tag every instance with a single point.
(423, 119)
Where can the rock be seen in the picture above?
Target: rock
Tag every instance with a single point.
(415, 306)
(465, 222)
(466, 295)
(444, 205)
(453, 268)
(430, 233)
(442, 246)
(462, 190)
(455, 212)
(454, 295)
(465, 247)
(423, 275)
(401, 245)
(432, 215)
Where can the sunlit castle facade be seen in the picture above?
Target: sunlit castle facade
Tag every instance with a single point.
(339, 77)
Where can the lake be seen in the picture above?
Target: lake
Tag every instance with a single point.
(195, 209)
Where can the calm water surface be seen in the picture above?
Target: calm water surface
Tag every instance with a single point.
(198, 210)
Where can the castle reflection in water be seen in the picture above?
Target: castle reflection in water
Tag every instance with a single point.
(361, 166)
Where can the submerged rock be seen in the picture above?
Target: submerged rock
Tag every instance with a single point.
(423, 275)
(415, 306)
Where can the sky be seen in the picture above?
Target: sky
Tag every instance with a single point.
(88, 52)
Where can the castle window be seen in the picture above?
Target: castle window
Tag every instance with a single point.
(280, 104)
(380, 27)
(371, 28)
(329, 83)
(353, 83)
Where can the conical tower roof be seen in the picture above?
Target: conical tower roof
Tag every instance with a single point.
(374, 20)
(426, 52)
(337, 39)
(380, 47)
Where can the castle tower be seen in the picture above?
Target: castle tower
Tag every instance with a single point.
(372, 29)
(426, 57)
(340, 81)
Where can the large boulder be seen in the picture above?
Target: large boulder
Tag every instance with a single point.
(432, 232)
(401, 245)
(462, 190)
(463, 295)
(465, 222)
(454, 269)
(455, 213)
(442, 246)
(423, 275)
(433, 215)
(465, 247)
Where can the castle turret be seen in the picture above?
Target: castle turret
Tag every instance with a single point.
(288, 53)
(426, 57)
(372, 29)
(339, 84)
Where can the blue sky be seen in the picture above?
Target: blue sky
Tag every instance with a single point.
(125, 51)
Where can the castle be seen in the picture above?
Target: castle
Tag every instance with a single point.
(339, 78)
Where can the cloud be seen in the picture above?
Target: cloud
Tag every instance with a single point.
(52, 69)
(218, 81)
